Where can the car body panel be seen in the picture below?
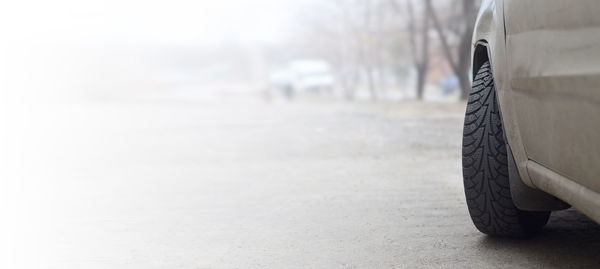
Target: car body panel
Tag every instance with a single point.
(545, 56)
(553, 57)
(581, 197)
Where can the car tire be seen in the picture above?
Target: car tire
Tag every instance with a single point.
(485, 166)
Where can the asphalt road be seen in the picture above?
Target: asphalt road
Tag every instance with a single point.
(194, 184)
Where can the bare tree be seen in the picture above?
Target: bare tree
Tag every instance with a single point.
(329, 31)
(349, 33)
(370, 36)
(366, 43)
(418, 35)
(348, 66)
(462, 26)
(367, 51)
(419, 43)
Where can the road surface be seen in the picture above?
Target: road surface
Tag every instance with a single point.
(244, 184)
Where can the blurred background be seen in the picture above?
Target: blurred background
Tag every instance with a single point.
(245, 134)
(340, 49)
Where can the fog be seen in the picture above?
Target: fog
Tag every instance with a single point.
(222, 134)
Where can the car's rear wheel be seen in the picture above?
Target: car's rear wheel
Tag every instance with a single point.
(485, 168)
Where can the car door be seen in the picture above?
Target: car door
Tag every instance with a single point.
(553, 58)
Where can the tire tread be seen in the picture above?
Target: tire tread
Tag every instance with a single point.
(485, 166)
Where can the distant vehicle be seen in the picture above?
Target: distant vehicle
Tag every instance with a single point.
(312, 75)
(531, 141)
(450, 84)
(303, 76)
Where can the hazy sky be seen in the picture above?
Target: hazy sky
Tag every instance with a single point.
(149, 21)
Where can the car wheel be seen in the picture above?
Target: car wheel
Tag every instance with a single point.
(485, 166)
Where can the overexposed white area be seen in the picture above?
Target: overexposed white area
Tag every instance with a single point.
(60, 62)
(57, 51)
(133, 134)
(158, 22)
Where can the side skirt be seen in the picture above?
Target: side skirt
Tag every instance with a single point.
(584, 199)
(527, 198)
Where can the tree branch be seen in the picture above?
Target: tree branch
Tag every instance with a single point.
(443, 39)
(412, 32)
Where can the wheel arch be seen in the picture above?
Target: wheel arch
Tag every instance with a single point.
(481, 54)
(524, 196)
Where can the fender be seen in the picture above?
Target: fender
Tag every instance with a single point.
(489, 44)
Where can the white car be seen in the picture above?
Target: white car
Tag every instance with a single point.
(304, 76)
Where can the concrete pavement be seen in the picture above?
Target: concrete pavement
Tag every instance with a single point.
(172, 184)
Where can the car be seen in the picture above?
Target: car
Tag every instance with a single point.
(531, 137)
(305, 75)
(312, 75)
